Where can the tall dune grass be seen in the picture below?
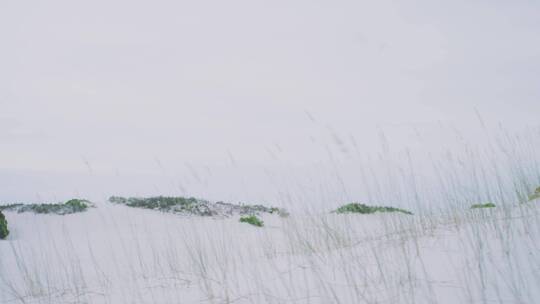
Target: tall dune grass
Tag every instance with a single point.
(444, 253)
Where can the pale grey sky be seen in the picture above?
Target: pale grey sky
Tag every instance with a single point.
(175, 88)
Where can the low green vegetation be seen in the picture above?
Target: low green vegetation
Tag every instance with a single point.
(166, 204)
(3, 226)
(253, 220)
(535, 195)
(365, 209)
(77, 205)
(163, 203)
(486, 205)
(69, 207)
(194, 206)
(10, 207)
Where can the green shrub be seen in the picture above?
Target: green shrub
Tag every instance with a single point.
(9, 207)
(365, 209)
(189, 205)
(118, 199)
(69, 207)
(194, 206)
(76, 205)
(253, 220)
(486, 205)
(3, 226)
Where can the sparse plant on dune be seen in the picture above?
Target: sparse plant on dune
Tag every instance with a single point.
(69, 207)
(194, 206)
(4, 231)
(253, 220)
(480, 206)
(365, 209)
(10, 207)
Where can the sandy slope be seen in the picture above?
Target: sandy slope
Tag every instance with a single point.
(115, 254)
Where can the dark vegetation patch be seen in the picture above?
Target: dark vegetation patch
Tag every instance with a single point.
(69, 207)
(3, 226)
(166, 204)
(10, 207)
(486, 205)
(365, 209)
(193, 206)
(253, 220)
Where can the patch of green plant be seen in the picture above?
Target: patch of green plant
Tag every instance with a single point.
(486, 205)
(9, 206)
(365, 209)
(69, 207)
(4, 231)
(166, 204)
(194, 206)
(254, 209)
(535, 195)
(158, 202)
(77, 205)
(253, 220)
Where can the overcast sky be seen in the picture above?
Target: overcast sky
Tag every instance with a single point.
(179, 88)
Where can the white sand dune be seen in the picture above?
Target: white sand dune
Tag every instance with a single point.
(116, 254)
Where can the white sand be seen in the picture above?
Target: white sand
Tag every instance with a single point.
(116, 254)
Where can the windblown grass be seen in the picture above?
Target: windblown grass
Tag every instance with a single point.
(444, 254)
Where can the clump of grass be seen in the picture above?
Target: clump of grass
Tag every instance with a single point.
(69, 207)
(365, 209)
(535, 195)
(4, 231)
(253, 220)
(486, 205)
